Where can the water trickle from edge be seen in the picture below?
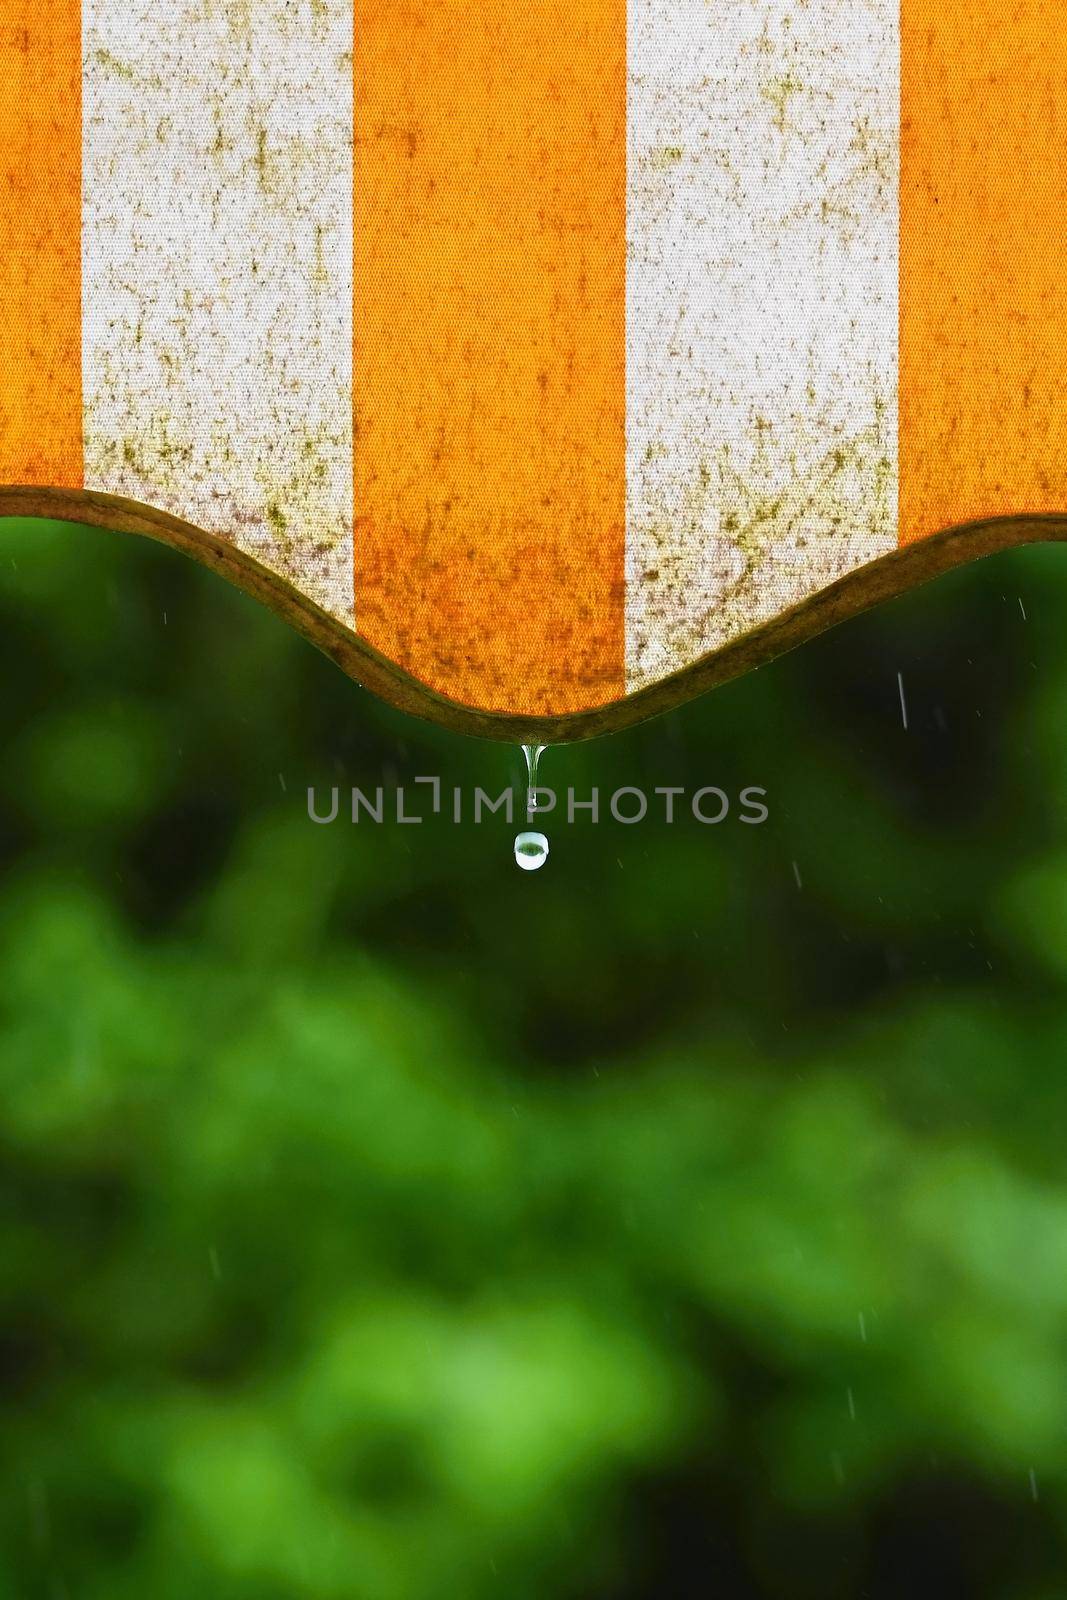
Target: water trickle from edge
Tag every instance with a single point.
(531, 848)
(533, 754)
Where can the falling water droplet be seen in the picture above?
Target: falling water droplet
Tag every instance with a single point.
(531, 848)
(531, 851)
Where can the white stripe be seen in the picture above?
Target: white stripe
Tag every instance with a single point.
(762, 251)
(217, 260)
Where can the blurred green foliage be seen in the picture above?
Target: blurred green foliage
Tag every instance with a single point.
(378, 1221)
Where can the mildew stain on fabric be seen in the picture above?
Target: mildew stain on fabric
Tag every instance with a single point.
(217, 271)
(761, 312)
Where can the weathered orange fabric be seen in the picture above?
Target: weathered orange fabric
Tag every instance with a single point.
(40, 242)
(983, 261)
(489, 346)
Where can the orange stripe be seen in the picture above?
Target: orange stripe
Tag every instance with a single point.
(983, 252)
(40, 243)
(489, 345)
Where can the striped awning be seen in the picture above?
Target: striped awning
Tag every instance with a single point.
(551, 349)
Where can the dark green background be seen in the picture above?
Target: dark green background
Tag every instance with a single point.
(378, 1221)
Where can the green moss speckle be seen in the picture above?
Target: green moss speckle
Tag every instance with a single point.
(277, 519)
(779, 91)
